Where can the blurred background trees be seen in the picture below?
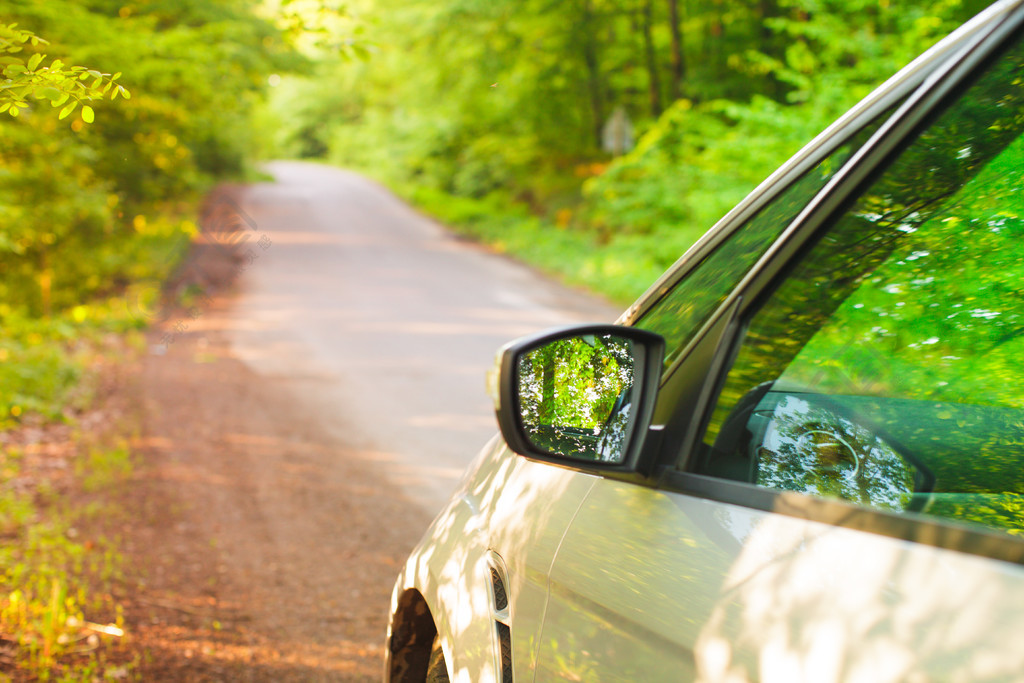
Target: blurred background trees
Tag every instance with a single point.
(491, 113)
(97, 205)
(74, 198)
(595, 138)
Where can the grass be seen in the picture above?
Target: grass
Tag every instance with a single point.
(56, 603)
(59, 619)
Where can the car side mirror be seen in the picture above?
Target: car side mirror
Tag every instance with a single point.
(579, 396)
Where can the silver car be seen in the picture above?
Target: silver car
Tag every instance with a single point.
(799, 456)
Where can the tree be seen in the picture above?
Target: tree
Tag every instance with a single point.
(85, 208)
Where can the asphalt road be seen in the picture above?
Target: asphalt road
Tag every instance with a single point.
(381, 322)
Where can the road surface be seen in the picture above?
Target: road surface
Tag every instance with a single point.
(301, 426)
(383, 322)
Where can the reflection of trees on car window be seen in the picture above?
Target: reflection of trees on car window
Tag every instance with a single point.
(942, 317)
(577, 386)
(906, 215)
(808, 448)
(916, 292)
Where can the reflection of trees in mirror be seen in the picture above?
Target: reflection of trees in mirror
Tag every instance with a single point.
(574, 396)
(914, 295)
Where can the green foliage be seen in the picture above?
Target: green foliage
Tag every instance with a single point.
(43, 361)
(38, 370)
(907, 315)
(574, 382)
(694, 165)
(573, 396)
(74, 199)
(64, 87)
(833, 51)
(53, 586)
(507, 99)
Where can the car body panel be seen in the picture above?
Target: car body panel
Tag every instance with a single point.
(450, 566)
(735, 594)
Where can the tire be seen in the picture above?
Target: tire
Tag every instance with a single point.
(437, 669)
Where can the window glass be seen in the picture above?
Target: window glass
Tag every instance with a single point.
(679, 315)
(888, 368)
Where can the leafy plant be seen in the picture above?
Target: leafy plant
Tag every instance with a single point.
(62, 86)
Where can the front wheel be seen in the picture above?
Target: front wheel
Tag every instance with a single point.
(437, 669)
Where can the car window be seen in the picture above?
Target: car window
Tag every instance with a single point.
(679, 314)
(888, 367)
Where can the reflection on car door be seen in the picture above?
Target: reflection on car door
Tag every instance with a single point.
(635, 579)
(656, 586)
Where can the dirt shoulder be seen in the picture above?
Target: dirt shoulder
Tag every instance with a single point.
(260, 548)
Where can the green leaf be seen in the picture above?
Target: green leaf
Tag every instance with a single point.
(60, 100)
(50, 93)
(68, 109)
(87, 114)
(34, 60)
(14, 111)
(4, 107)
(13, 70)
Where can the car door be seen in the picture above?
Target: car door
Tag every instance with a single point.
(849, 505)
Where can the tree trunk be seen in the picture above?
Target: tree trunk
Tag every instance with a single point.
(769, 46)
(653, 80)
(678, 56)
(592, 63)
(595, 90)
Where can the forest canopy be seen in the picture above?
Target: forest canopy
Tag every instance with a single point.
(509, 118)
(75, 197)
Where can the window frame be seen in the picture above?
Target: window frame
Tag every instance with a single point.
(684, 383)
(939, 89)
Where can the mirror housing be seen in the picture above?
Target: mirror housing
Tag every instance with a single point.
(579, 396)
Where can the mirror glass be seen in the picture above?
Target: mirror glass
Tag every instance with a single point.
(575, 396)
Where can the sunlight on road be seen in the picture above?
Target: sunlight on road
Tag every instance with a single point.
(385, 325)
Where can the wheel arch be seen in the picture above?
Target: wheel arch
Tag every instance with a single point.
(412, 632)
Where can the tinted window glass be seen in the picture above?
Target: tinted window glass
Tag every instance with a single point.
(888, 368)
(679, 315)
